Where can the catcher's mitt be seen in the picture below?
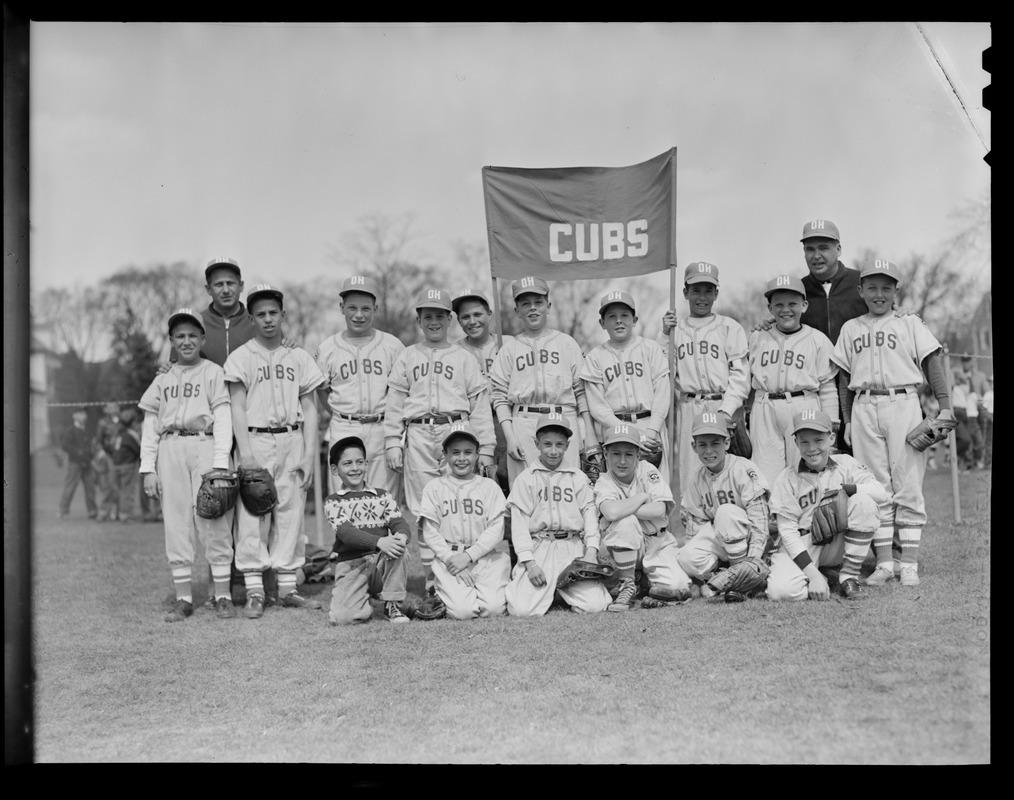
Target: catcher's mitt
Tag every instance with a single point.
(651, 451)
(427, 608)
(257, 491)
(581, 570)
(930, 431)
(831, 516)
(592, 464)
(741, 580)
(217, 493)
(739, 437)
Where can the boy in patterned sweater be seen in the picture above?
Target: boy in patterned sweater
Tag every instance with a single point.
(370, 540)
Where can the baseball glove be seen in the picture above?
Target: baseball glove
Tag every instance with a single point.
(591, 463)
(257, 491)
(217, 493)
(651, 451)
(739, 437)
(581, 570)
(427, 608)
(741, 580)
(930, 431)
(831, 516)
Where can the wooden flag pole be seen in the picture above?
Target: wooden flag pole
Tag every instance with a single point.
(673, 460)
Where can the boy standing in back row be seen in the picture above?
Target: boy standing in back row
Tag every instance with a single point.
(275, 423)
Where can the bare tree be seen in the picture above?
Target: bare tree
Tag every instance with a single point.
(312, 311)
(79, 319)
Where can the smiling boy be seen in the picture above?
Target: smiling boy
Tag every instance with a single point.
(790, 371)
(884, 359)
(725, 506)
(462, 522)
(553, 521)
(626, 379)
(371, 540)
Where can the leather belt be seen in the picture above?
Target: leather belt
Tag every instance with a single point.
(283, 429)
(556, 534)
(541, 409)
(175, 432)
(363, 418)
(899, 390)
(633, 417)
(784, 395)
(440, 420)
(460, 548)
(709, 396)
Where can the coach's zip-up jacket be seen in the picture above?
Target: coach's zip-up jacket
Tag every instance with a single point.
(827, 312)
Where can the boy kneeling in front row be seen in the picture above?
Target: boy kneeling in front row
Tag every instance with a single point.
(798, 489)
(370, 540)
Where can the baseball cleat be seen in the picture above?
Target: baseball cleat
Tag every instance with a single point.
(734, 597)
(653, 602)
(180, 611)
(392, 613)
(851, 589)
(624, 598)
(909, 575)
(254, 606)
(881, 575)
(224, 609)
(296, 600)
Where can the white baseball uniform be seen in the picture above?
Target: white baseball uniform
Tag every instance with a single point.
(789, 372)
(275, 381)
(657, 550)
(532, 376)
(467, 516)
(429, 388)
(726, 516)
(553, 520)
(630, 384)
(883, 357)
(356, 373)
(796, 492)
(187, 431)
(712, 374)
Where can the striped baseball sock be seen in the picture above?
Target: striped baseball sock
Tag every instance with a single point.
(254, 583)
(181, 583)
(882, 545)
(286, 583)
(909, 544)
(857, 545)
(220, 574)
(626, 561)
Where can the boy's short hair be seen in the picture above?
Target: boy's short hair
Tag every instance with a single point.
(339, 447)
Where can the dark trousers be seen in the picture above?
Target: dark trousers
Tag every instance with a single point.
(78, 473)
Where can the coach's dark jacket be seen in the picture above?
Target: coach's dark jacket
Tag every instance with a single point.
(828, 312)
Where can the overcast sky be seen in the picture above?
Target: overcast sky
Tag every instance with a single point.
(164, 142)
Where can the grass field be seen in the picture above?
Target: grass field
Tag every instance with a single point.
(902, 678)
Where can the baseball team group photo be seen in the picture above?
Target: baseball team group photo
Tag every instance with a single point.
(580, 493)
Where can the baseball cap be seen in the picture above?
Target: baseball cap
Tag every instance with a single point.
(459, 429)
(623, 432)
(552, 420)
(616, 297)
(433, 298)
(708, 422)
(467, 294)
(263, 290)
(701, 272)
(221, 263)
(784, 283)
(529, 285)
(187, 314)
(820, 229)
(812, 420)
(359, 283)
(880, 266)
(334, 454)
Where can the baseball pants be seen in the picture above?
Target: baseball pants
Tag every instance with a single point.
(182, 461)
(724, 540)
(276, 540)
(847, 550)
(525, 599)
(358, 580)
(774, 446)
(487, 598)
(657, 555)
(524, 434)
(880, 424)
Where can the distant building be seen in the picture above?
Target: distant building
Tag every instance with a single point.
(43, 362)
